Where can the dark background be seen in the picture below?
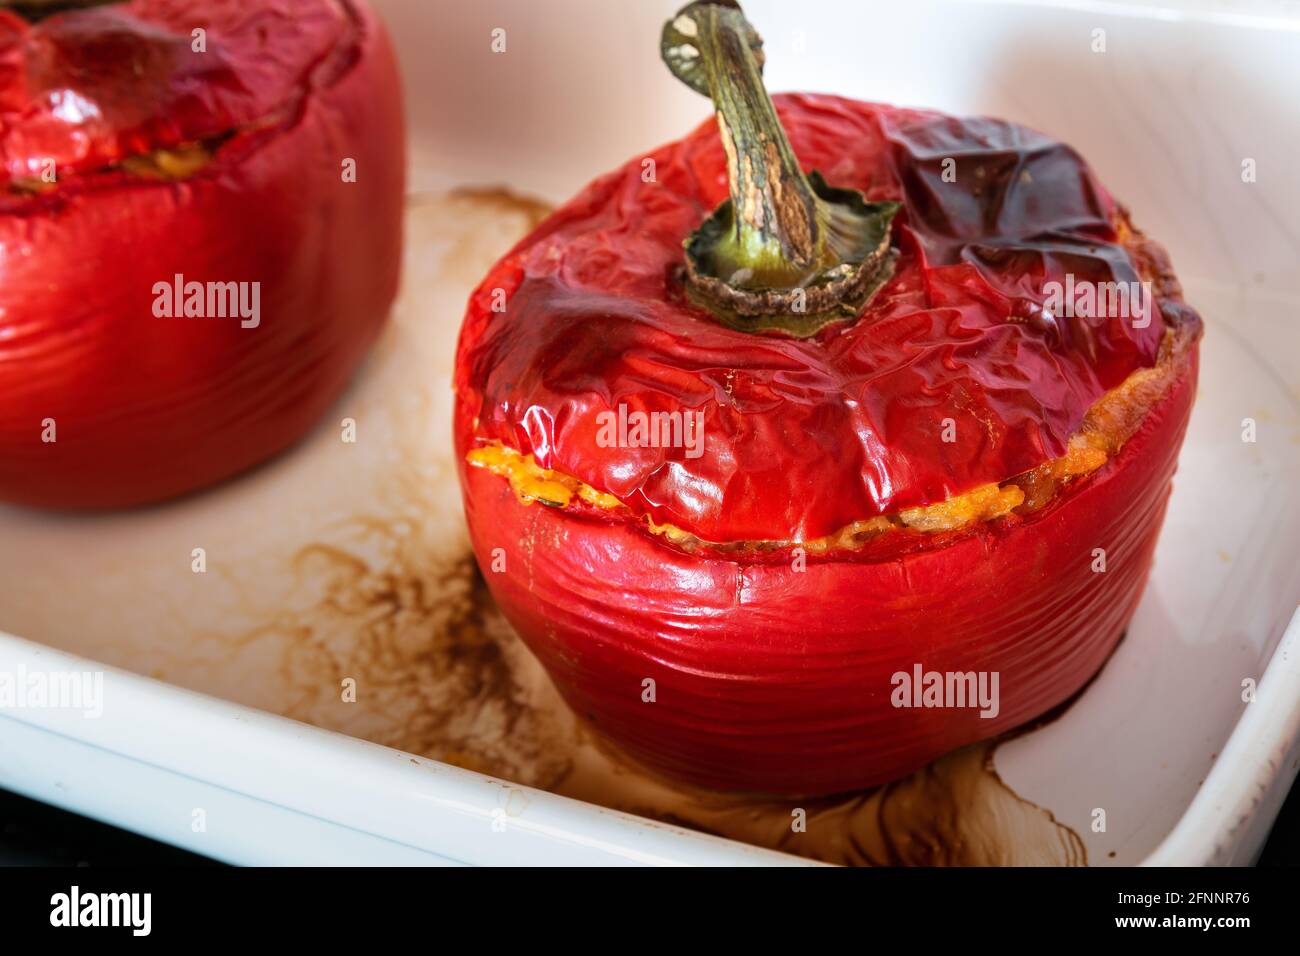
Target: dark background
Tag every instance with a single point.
(35, 834)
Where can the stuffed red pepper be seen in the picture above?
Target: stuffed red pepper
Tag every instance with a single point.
(200, 235)
(828, 439)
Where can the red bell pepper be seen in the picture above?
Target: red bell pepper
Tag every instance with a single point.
(200, 235)
(909, 459)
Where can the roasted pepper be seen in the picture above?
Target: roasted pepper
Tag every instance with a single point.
(796, 411)
(200, 235)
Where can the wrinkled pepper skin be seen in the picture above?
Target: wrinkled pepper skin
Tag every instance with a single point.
(143, 407)
(772, 674)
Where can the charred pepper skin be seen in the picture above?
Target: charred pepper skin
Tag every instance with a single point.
(770, 676)
(804, 436)
(280, 95)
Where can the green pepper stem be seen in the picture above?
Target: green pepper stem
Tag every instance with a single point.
(775, 210)
(785, 243)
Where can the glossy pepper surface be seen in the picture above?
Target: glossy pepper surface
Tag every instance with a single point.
(177, 142)
(772, 645)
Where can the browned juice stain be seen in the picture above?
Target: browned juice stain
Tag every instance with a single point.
(955, 812)
(431, 672)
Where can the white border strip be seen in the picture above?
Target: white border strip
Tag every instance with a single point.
(1229, 818)
(273, 790)
(1214, 14)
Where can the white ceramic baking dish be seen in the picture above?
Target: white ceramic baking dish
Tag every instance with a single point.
(1163, 741)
